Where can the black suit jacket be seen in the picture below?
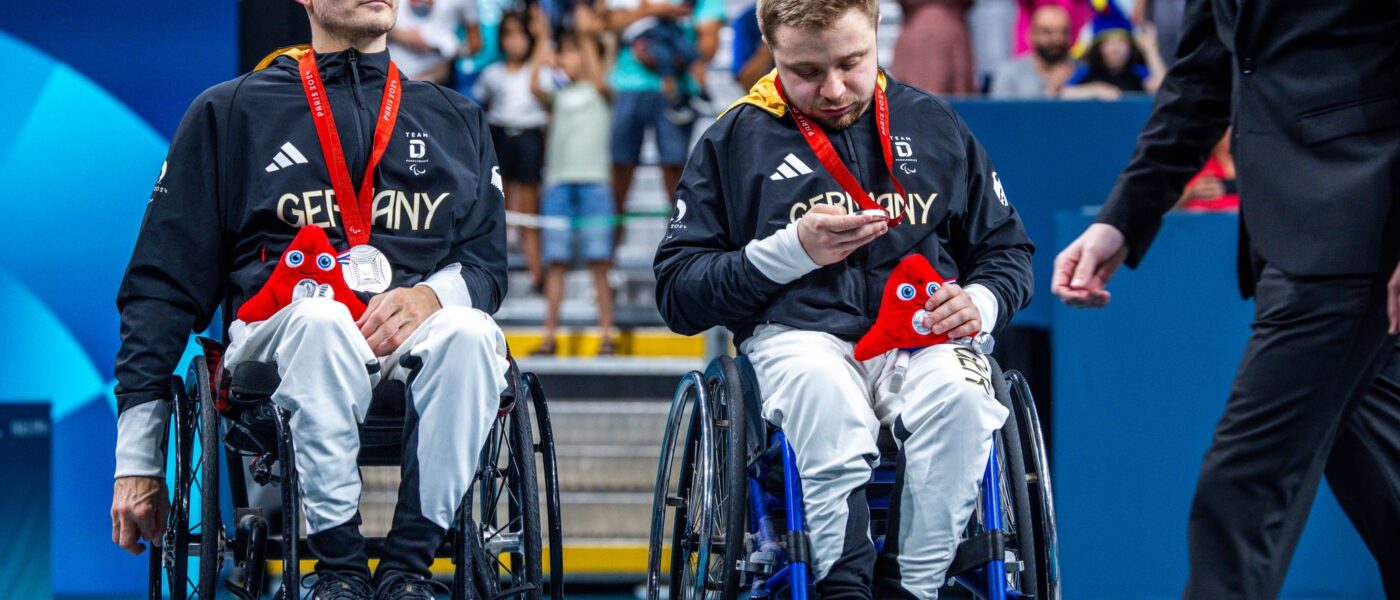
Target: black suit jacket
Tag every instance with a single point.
(1313, 90)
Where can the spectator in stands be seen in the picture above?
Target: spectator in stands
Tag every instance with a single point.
(488, 14)
(662, 46)
(639, 103)
(425, 42)
(1213, 189)
(578, 205)
(1081, 12)
(1166, 17)
(1117, 61)
(1044, 72)
(752, 58)
(934, 48)
(518, 122)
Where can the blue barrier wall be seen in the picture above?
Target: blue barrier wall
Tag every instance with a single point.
(1138, 389)
(1053, 156)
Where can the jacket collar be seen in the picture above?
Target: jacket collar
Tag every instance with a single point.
(764, 94)
(332, 64)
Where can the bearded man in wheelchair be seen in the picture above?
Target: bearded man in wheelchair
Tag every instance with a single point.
(797, 277)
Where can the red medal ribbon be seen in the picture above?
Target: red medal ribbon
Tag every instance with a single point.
(356, 208)
(826, 153)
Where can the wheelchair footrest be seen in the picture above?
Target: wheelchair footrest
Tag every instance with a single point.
(759, 563)
(977, 551)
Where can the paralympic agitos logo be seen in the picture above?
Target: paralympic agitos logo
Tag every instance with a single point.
(393, 209)
(913, 209)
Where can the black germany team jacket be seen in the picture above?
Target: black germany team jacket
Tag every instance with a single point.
(752, 175)
(245, 170)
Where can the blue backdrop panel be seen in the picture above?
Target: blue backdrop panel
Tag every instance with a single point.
(155, 56)
(24, 507)
(1139, 387)
(1053, 156)
(78, 167)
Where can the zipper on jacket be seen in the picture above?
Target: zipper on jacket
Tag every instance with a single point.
(862, 253)
(359, 99)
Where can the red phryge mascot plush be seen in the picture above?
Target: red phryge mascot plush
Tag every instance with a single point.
(308, 269)
(900, 324)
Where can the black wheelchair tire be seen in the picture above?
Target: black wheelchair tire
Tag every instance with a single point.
(192, 410)
(1042, 504)
(545, 429)
(526, 504)
(517, 482)
(1024, 537)
(662, 500)
(212, 558)
(699, 444)
(729, 415)
(210, 436)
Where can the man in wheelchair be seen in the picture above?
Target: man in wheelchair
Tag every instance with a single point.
(783, 255)
(421, 204)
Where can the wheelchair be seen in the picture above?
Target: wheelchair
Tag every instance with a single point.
(735, 505)
(494, 543)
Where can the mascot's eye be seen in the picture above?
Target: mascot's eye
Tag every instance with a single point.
(906, 291)
(325, 261)
(295, 258)
(933, 287)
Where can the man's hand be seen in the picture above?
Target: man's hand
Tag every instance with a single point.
(951, 310)
(1392, 301)
(394, 315)
(139, 508)
(1082, 269)
(829, 235)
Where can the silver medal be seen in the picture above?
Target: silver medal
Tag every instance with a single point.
(366, 269)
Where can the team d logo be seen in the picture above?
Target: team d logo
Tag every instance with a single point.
(417, 152)
(904, 154)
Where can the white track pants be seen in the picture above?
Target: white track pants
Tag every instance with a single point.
(455, 373)
(831, 407)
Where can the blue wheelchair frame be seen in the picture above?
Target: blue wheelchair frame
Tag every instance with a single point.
(988, 582)
(730, 451)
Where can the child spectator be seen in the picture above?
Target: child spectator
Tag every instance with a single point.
(518, 124)
(578, 206)
(1117, 61)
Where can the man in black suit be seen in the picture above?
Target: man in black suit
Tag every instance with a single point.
(1313, 91)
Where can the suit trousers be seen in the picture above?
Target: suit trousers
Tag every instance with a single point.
(1317, 393)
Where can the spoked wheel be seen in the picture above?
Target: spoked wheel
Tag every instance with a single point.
(192, 531)
(731, 460)
(545, 447)
(1037, 478)
(1020, 536)
(509, 515)
(690, 499)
